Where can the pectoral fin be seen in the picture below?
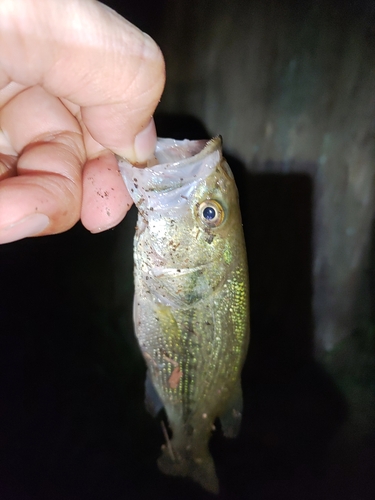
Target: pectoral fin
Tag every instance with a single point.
(168, 324)
(153, 402)
(231, 418)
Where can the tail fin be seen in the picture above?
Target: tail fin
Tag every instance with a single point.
(199, 468)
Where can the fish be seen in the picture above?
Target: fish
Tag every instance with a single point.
(191, 300)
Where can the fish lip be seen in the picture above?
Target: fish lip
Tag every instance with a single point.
(202, 147)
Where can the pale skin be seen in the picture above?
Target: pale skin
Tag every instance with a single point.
(78, 83)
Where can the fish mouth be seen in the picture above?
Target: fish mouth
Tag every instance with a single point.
(172, 175)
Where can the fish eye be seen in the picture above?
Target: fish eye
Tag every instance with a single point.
(211, 213)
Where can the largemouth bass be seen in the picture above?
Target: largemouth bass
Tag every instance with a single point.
(191, 311)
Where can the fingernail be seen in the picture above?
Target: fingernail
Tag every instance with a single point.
(28, 226)
(145, 142)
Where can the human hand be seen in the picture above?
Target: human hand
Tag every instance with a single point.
(77, 84)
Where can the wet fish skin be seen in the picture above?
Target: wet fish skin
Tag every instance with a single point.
(191, 310)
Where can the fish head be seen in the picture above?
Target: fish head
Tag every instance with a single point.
(189, 214)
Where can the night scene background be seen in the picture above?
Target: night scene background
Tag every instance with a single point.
(290, 85)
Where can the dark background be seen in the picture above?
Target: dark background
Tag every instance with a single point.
(72, 418)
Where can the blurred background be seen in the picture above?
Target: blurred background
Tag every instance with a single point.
(290, 85)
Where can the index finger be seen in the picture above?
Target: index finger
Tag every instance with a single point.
(82, 51)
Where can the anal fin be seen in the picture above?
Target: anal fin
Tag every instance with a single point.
(231, 419)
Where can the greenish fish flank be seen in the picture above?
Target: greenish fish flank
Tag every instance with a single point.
(191, 307)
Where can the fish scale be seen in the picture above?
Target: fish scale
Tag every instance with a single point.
(191, 311)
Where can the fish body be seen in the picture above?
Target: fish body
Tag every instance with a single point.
(191, 312)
